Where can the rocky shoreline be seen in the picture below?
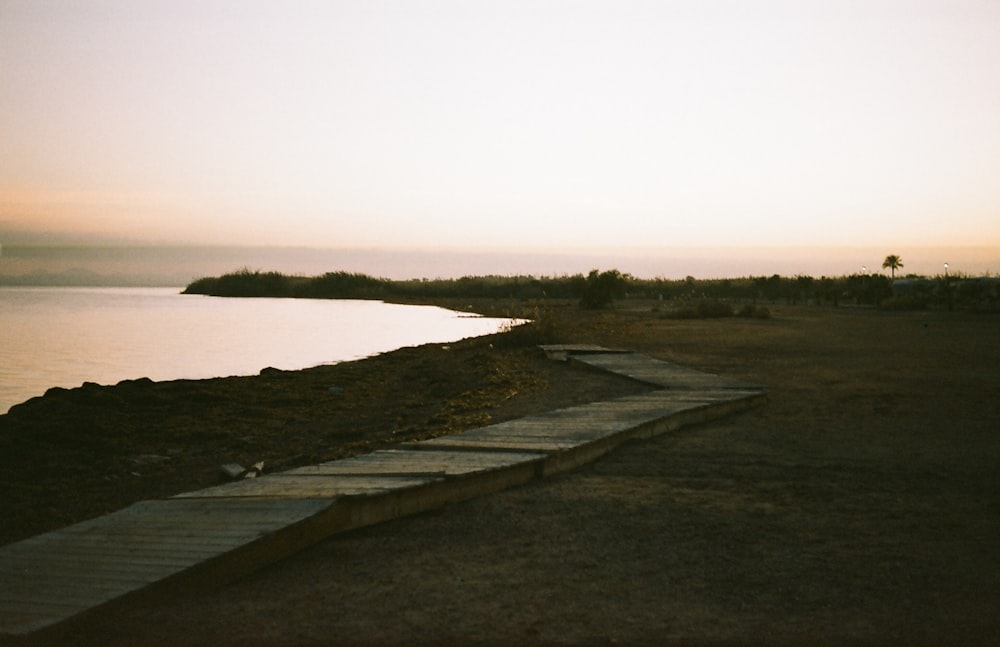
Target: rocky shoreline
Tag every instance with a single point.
(76, 453)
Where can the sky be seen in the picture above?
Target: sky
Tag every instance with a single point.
(538, 126)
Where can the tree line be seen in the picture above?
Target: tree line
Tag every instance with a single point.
(600, 289)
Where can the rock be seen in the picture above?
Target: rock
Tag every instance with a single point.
(255, 471)
(233, 470)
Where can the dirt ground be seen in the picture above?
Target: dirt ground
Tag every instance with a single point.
(859, 505)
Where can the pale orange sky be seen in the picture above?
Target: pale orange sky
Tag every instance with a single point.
(530, 125)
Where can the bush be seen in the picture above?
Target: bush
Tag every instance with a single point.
(543, 327)
(713, 309)
(702, 310)
(602, 288)
(904, 303)
(684, 312)
(245, 283)
(754, 312)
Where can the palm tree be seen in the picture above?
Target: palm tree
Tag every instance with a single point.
(892, 262)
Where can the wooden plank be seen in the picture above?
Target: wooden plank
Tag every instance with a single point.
(567, 428)
(160, 516)
(505, 443)
(53, 576)
(211, 532)
(562, 352)
(296, 486)
(408, 462)
(658, 372)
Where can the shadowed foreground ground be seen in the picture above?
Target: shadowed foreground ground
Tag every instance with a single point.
(859, 505)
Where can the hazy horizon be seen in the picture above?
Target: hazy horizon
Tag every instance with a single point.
(558, 131)
(34, 263)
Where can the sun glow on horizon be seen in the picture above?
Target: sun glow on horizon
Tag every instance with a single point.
(528, 124)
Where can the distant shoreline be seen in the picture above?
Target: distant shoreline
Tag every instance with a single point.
(602, 289)
(158, 265)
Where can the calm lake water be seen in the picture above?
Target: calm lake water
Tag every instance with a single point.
(66, 336)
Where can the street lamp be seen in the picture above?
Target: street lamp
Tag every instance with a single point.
(946, 269)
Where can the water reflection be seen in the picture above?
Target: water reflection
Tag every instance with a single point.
(65, 336)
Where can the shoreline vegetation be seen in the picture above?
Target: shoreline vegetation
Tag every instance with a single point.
(857, 505)
(689, 297)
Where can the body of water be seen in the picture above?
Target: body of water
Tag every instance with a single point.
(56, 336)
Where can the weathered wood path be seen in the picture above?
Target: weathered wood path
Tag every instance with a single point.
(213, 535)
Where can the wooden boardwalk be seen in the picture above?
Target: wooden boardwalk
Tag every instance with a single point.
(210, 536)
